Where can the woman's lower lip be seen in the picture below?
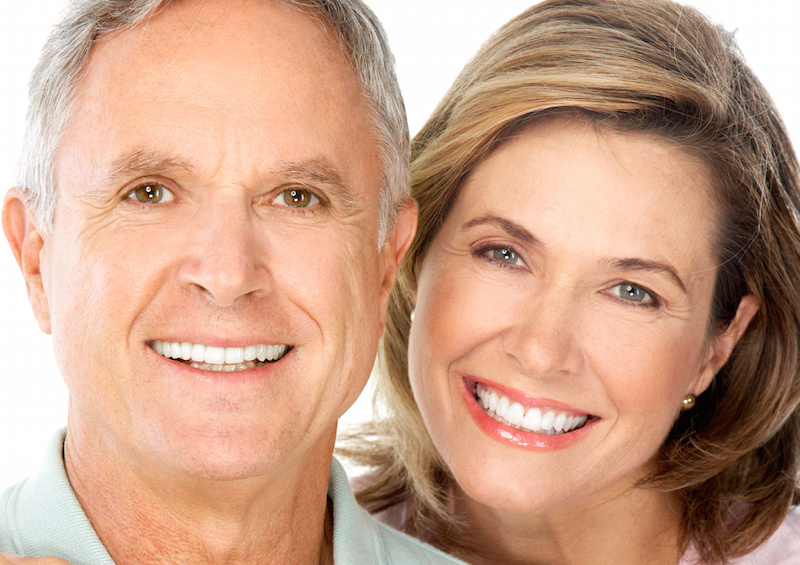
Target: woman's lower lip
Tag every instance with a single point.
(519, 438)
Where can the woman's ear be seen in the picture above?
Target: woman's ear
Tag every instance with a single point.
(26, 244)
(722, 345)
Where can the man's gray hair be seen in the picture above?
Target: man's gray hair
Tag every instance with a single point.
(55, 79)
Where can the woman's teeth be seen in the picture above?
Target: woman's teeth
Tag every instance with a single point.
(514, 414)
(228, 359)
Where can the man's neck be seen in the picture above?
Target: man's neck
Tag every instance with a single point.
(281, 518)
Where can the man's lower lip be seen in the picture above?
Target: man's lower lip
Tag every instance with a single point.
(223, 377)
(517, 437)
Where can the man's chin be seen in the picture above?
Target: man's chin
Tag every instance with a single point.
(233, 452)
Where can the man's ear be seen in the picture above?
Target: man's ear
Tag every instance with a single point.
(396, 246)
(722, 345)
(26, 244)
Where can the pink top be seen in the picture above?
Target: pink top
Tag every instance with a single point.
(783, 548)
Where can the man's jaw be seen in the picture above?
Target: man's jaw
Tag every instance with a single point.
(224, 359)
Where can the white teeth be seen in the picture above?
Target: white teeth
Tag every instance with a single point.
(234, 355)
(198, 352)
(209, 358)
(186, 350)
(224, 368)
(558, 424)
(502, 407)
(547, 420)
(215, 355)
(552, 422)
(532, 419)
(515, 414)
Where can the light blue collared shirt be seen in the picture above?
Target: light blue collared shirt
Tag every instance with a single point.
(41, 516)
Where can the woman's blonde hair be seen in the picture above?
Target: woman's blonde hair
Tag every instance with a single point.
(629, 65)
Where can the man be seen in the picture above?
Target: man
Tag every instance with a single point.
(212, 209)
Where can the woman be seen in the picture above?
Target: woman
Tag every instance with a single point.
(599, 321)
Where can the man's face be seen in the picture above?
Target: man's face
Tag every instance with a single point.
(218, 188)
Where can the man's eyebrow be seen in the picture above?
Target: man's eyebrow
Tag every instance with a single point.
(637, 264)
(145, 162)
(511, 228)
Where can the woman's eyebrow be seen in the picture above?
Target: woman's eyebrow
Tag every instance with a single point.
(511, 228)
(637, 264)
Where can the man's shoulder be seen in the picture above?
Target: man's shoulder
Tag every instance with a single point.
(42, 516)
(7, 541)
(359, 538)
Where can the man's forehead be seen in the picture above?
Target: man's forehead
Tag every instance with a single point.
(253, 64)
(176, 27)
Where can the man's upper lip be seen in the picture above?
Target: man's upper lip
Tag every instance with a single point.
(217, 341)
(527, 400)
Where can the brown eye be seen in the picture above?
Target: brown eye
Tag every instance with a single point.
(151, 193)
(297, 198)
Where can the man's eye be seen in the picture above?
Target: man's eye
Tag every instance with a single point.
(151, 193)
(632, 292)
(296, 198)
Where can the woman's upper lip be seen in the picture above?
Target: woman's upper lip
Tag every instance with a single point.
(527, 400)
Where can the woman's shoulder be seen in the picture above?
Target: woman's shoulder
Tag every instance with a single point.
(782, 548)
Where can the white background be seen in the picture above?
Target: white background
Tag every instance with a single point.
(432, 39)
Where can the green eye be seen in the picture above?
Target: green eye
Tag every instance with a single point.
(505, 255)
(632, 292)
(151, 193)
(296, 198)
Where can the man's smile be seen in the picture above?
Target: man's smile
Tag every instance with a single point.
(228, 359)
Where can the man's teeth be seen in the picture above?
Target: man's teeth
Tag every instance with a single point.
(514, 414)
(208, 358)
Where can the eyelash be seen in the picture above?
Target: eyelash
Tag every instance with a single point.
(308, 210)
(170, 194)
(484, 251)
(654, 302)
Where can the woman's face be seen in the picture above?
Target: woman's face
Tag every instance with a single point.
(568, 289)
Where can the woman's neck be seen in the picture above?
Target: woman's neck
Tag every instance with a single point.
(632, 527)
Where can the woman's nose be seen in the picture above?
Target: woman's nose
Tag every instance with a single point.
(543, 336)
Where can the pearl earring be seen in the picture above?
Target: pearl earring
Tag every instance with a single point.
(688, 402)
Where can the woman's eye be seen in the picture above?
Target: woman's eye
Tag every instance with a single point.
(506, 256)
(151, 193)
(296, 198)
(632, 292)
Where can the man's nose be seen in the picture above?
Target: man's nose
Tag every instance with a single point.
(226, 255)
(543, 336)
